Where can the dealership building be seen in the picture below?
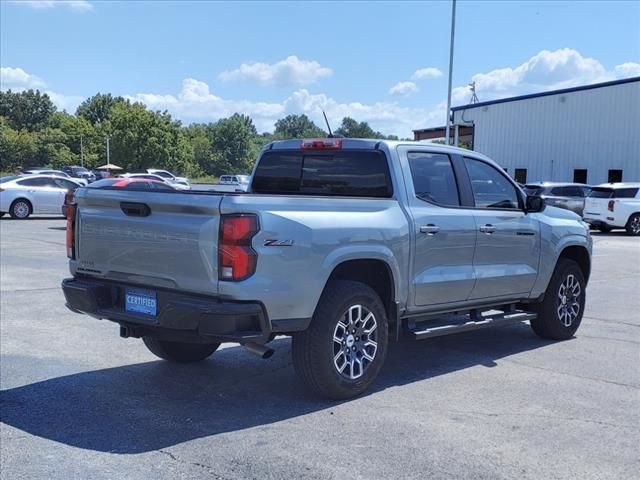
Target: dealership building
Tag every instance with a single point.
(588, 134)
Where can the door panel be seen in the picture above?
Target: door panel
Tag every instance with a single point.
(507, 250)
(444, 234)
(443, 263)
(507, 253)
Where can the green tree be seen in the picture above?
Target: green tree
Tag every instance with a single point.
(233, 145)
(30, 110)
(142, 139)
(97, 109)
(17, 147)
(350, 128)
(297, 126)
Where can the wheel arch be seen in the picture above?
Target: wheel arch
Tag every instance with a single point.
(375, 273)
(580, 255)
(29, 202)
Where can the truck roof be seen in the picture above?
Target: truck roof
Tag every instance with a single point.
(368, 144)
(619, 185)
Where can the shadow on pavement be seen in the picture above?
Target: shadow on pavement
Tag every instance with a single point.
(153, 405)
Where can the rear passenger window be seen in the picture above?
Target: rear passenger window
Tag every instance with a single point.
(433, 178)
(625, 192)
(34, 182)
(491, 189)
(344, 173)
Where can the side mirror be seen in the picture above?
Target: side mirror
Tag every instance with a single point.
(534, 204)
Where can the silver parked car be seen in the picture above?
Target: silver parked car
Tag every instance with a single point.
(22, 195)
(569, 196)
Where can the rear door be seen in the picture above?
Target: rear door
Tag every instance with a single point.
(595, 205)
(43, 193)
(443, 231)
(150, 238)
(507, 250)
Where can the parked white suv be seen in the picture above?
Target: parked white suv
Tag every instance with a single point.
(614, 205)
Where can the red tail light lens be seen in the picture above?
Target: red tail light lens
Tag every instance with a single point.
(236, 259)
(611, 205)
(321, 144)
(70, 210)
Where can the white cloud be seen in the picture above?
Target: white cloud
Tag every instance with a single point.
(196, 102)
(403, 89)
(76, 5)
(547, 70)
(290, 71)
(18, 79)
(627, 70)
(425, 73)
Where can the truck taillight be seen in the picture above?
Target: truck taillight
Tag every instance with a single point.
(70, 207)
(236, 259)
(611, 205)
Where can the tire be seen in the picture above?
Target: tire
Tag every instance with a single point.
(633, 225)
(20, 209)
(604, 228)
(180, 352)
(561, 310)
(343, 304)
(2, 214)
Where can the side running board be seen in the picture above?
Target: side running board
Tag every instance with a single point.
(466, 323)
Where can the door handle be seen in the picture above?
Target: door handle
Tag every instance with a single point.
(488, 229)
(430, 229)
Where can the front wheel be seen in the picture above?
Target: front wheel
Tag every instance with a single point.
(20, 209)
(561, 310)
(180, 352)
(341, 353)
(633, 225)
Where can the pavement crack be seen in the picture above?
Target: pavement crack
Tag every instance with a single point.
(545, 416)
(611, 321)
(30, 290)
(207, 468)
(602, 380)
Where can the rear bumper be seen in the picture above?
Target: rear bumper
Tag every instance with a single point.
(180, 316)
(604, 222)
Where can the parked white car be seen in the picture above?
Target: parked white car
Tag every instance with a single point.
(233, 183)
(23, 195)
(153, 176)
(170, 177)
(614, 205)
(57, 173)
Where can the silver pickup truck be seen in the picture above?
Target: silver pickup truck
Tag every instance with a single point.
(343, 244)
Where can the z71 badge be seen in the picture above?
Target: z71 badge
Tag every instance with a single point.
(272, 242)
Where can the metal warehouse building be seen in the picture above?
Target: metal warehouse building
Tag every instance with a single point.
(588, 134)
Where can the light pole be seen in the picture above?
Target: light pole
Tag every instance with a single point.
(81, 153)
(108, 138)
(453, 31)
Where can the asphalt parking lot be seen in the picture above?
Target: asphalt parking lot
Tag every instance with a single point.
(79, 402)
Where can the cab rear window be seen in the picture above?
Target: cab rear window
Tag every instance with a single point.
(351, 173)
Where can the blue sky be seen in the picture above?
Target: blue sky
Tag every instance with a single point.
(382, 62)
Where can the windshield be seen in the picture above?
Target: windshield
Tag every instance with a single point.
(599, 192)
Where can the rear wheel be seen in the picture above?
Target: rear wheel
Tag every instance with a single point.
(341, 353)
(633, 225)
(560, 313)
(180, 352)
(20, 209)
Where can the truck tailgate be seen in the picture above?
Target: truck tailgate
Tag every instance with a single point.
(153, 239)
